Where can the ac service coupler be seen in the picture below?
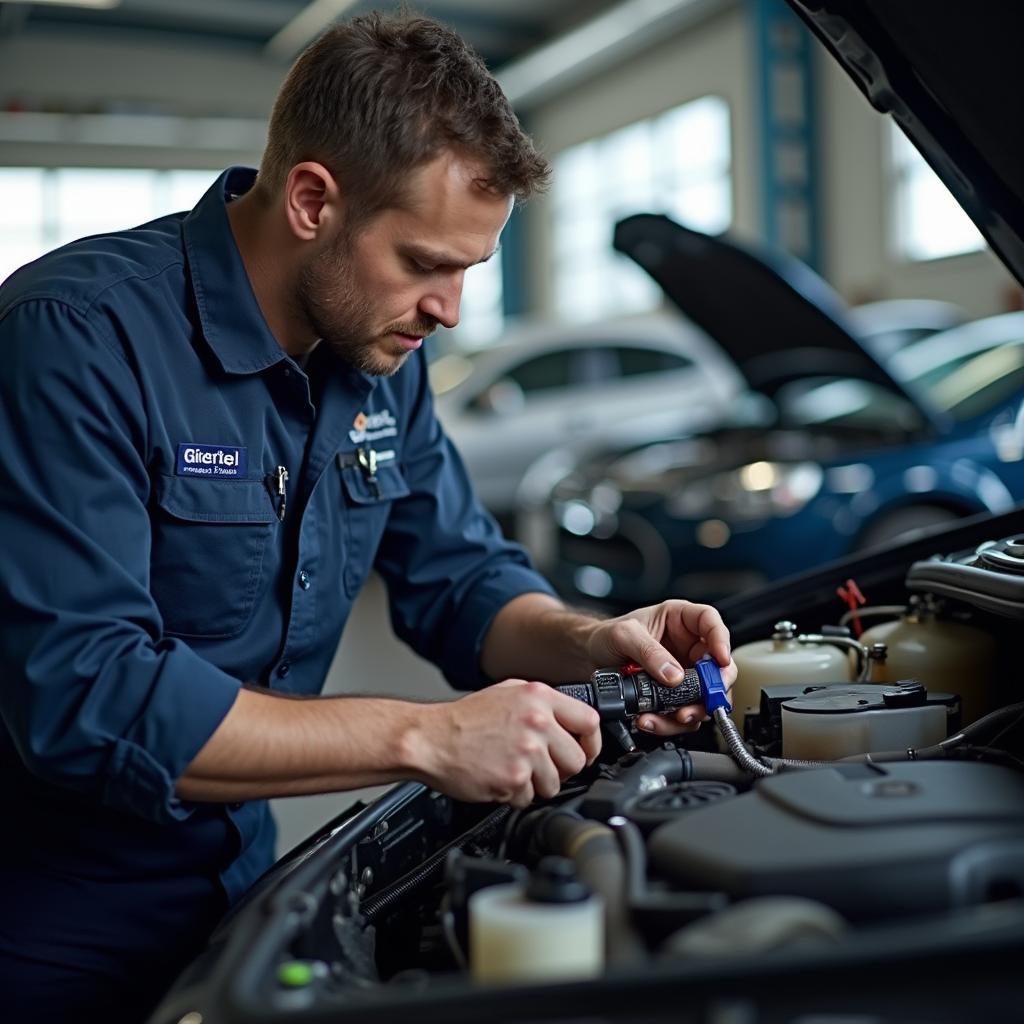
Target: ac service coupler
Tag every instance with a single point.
(620, 694)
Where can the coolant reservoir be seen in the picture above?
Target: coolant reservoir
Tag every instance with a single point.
(782, 660)
(944, 655)
(837, 721)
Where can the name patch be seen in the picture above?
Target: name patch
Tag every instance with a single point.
(218, 460)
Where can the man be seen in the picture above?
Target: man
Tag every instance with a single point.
(212, 427)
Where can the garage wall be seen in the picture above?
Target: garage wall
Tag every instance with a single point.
(712, 58)
(49, 71)
(855, 204)
(718, 57)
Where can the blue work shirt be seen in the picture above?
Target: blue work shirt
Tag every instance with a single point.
(147, 414)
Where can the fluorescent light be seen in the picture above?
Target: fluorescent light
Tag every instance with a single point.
(217, 134)
(596, 45)
(96, 4)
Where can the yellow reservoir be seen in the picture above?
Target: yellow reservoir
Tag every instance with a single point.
(946, 656)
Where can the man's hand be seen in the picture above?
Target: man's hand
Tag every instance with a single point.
(664, 639)
(507, 743)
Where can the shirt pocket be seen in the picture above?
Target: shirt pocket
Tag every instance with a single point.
(209, 542)
(365, 516)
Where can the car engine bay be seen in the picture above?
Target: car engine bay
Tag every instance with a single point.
(849, 831)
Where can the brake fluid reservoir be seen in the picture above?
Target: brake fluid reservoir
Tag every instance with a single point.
(782, 660)
(944, 655)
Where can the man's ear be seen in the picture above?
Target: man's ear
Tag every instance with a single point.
(312, 201)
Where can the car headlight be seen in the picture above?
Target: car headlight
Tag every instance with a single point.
(594, 514)
(757, 491)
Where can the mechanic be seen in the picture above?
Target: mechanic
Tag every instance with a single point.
(212, 427)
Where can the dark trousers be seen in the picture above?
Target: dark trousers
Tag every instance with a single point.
(79, 949)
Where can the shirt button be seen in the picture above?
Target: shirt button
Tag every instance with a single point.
(305, 581)
(284, 668)
(235, 807)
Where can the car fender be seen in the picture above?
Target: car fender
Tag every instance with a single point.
(963, 486)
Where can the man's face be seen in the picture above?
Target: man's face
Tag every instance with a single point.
(374, 297)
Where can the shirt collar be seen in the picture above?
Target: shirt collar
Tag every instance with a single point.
(231, 318)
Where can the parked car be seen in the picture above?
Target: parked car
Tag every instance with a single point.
(547, 384)
(628, 381)
(888, 325)
(847, 448)
(884, 888)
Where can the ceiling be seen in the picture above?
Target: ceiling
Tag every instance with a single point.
(500, 30)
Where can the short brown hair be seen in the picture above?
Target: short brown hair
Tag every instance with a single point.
(377, 96)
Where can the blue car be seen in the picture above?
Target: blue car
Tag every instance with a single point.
(837, 447)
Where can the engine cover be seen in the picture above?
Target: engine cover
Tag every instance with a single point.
(872, 841)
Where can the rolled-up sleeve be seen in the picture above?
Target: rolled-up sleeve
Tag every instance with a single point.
(93, 696)
(448, 568)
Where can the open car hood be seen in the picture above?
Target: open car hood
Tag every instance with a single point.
(945, 74)
(771, 313)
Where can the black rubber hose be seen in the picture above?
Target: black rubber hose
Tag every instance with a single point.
(670, 762)
(599, 862)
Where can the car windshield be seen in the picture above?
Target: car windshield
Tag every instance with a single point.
(846, 402)
(968, 371)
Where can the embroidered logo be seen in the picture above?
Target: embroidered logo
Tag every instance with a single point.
(218, 460)
(373, 427)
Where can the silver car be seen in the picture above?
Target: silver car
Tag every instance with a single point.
(549, 385)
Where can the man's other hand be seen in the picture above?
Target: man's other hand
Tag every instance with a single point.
(665, 639)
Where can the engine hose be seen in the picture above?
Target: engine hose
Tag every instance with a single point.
(635, 853)
(599, 861)
(373, 907)
(988, 728)
(874, 611)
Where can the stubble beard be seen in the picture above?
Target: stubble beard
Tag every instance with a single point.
(330, 301)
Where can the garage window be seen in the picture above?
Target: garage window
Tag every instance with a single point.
(41, 208)
(927, 222)
(678, 163)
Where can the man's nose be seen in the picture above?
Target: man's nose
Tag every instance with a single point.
(442, 302)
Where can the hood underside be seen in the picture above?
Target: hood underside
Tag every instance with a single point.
(771, 313)
(945, 72)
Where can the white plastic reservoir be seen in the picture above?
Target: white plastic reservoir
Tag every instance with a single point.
(861, 718)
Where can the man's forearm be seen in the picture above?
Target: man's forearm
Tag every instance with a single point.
(271, 745)
(536, 637)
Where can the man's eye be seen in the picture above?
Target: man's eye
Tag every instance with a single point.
(420, 268)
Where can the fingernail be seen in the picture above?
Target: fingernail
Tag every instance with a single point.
(671, 672)
(647, 725)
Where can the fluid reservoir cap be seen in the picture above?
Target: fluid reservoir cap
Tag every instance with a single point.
(784, 630)
(858, 697)
(906, 693)
(554, 881)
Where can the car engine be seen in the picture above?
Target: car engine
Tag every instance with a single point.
(848, 839)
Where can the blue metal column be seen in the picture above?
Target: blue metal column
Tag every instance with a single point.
(514, 278)
(790, 203)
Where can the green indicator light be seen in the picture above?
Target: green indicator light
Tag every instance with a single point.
(295, 974)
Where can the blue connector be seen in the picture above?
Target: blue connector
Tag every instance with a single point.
(712, 687)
